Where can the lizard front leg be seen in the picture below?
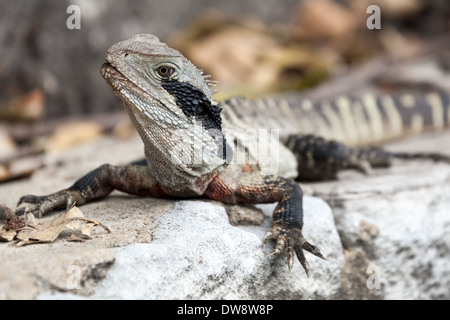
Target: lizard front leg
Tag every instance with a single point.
(133, 179)
(232, 186)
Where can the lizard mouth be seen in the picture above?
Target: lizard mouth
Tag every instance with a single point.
(108, 71)
(117, 79)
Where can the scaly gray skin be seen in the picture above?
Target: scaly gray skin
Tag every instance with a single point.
(190, 153)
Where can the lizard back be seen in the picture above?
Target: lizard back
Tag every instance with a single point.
(365, 119)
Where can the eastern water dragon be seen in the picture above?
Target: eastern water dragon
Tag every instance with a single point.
(196, 147)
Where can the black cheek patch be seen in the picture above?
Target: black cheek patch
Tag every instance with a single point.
(194, 103)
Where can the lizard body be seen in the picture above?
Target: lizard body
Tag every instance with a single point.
(195, 147)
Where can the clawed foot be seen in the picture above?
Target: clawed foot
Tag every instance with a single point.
(288, 236)
(42, 204)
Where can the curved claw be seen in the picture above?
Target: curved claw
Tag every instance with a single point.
(21, 211)
(279, 245)
(269, 235)
(29, 198)
(314, 250)
(42, 204)
(302, 259)
(288, 237)
(35, 209)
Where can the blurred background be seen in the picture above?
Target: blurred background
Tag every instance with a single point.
(53, 97)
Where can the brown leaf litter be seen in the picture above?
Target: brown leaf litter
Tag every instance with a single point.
(32, 231)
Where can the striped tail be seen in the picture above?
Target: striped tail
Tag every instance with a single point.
(370, 119)
(357, 120)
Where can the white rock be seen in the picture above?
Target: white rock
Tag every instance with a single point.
(411, 248)
(398, 219)
(197, 254)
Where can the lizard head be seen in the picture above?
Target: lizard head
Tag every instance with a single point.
(164, 92)
(165, 82)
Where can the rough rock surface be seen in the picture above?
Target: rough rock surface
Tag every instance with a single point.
(197, 254)
(394, 222)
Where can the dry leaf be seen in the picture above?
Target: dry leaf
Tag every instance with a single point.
(31, 231)
(8, 231)
(324, 19)
(19, 167)
(29, 236)
(249, 58)
(71, 134)
(74, 238)
(87, 228)
(7, 235)
(124, 130)
(27, 107)
(31, 220)
(4, 173)
(7, 144)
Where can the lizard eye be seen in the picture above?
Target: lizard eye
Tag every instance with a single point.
(165, 71)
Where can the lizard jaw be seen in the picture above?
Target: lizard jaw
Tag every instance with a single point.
(110, 73)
